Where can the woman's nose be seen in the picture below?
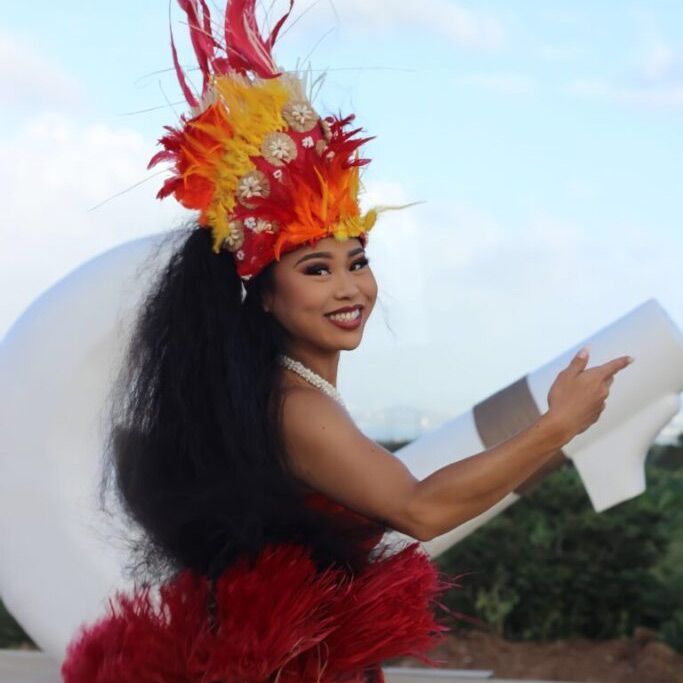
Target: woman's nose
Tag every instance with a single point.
(346, 284)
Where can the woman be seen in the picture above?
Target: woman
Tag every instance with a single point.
(260, 504)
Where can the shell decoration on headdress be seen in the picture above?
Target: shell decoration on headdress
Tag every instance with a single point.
(265, 171)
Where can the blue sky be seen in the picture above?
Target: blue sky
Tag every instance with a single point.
(546, 140)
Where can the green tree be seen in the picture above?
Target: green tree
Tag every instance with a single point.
(550, 567)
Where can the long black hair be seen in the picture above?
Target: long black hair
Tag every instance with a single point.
(195, 456)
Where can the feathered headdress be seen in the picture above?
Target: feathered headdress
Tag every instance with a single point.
(265, 171)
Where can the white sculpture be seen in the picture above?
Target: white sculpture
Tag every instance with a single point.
(60, 558)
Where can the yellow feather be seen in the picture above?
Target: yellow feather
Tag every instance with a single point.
(254, 110)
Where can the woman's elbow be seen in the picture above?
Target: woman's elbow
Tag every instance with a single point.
(424, 535)
(419, 522)
(428, 521)
(419, 533)
(425, 532)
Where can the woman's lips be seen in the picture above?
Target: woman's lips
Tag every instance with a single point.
(347, 324)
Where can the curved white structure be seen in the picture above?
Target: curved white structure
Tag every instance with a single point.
(61, 559)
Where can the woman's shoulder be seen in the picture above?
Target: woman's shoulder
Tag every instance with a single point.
(307, 397)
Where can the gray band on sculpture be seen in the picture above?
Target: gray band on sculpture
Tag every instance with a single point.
(506, 413)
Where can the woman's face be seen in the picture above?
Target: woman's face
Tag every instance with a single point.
(313, 281)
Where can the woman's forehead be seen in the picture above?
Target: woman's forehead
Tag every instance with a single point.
(331, 244)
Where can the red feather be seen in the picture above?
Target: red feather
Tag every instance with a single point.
(245, 46)
(276, 31)
(189, 96)
(201, 35)
(278, 617)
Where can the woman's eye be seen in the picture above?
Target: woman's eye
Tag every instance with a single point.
(316, 269)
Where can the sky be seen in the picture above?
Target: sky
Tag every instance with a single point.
(544, 140)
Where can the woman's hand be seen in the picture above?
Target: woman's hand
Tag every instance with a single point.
(578, 396)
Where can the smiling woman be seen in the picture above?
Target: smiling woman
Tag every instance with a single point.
(206, 456)
(206, 425)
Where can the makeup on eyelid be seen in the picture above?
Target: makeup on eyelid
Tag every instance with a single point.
(314, 268)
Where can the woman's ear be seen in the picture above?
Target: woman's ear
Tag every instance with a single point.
(265, 287)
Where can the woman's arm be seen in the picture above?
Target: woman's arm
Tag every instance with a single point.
(483, 479)
(333, 456)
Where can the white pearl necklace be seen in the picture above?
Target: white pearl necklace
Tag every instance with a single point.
(312, 377)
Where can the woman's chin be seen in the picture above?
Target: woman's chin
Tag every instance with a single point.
(346, 341)
(353, 340)
(350, 346)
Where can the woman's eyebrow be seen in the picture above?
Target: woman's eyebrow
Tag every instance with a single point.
(327, 254)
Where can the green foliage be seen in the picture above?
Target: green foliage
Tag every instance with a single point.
(668, 456)
(550, 567)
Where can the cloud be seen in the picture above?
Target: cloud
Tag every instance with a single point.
(544, 262)
(30, 80)
(650, 95)
(561, 53)
(506, 83)
(662, 63)
(655, 82)
(52, 171)
(464, 26)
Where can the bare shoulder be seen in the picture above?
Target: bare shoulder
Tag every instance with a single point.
(312, 402)
(329, 453)
(313, 420)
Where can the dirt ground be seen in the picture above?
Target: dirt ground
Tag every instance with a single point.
(640, 659)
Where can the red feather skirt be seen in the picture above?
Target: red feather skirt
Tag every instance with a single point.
(279, 621)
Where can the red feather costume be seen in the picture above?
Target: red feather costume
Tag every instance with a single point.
(279, 621)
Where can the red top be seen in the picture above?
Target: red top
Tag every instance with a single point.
(320, 501)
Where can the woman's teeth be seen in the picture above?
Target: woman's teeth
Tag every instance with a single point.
(352, 315)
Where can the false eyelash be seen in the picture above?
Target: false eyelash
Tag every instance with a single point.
(313, 270)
